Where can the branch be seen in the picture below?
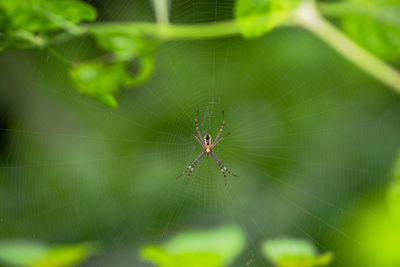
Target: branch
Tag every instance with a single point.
(168, 32)
(161, 11)
(305, 16)
(308, 17)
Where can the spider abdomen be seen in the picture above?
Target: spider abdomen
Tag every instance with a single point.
(207, 139)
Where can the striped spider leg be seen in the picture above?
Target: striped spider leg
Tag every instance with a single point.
(222, 167)
(191, 167)
(208, 144)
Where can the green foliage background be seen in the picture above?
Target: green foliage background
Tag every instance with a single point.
(313, 140)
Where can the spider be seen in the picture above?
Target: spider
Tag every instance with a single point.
(207, 145)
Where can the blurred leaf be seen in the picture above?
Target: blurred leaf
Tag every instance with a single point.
(146, 69)
(161, 257)
(378, 236)
(294, 253)
(208, 248)
(125, 42)
(256, 17)
(376, 26)
(21, 252)
(74, 11)
(377, 227)
(67, 255)
(226, 241)
(127, 46)
(100, 81)
(38, 17)
(36, 254)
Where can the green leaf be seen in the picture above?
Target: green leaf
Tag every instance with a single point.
(21, 252)
(377, 227)
(377, 233)
(376, 26)
(163, 258)
(44, 15)
(72, 10)
(256, 17)
(209, 248)
(146, 69)
(127, 46)
(59, 256)
(100, 81)
(125, 42)
(37, 254)
(38, 18)
(23, 15)
(294, 253)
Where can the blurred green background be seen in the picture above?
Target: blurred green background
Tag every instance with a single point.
(313, 139)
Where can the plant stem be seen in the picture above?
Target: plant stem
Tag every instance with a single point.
(308, 17)
(68, 64)
(305, 16)
(201, 31)
(175, 32)
(161, 11)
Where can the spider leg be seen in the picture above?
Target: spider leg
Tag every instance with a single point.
(222, 127)
(222, 167)
(197, 125)
(222, 138)
(197, 138)
(191, 167)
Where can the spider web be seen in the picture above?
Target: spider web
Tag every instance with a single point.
(310, 135)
